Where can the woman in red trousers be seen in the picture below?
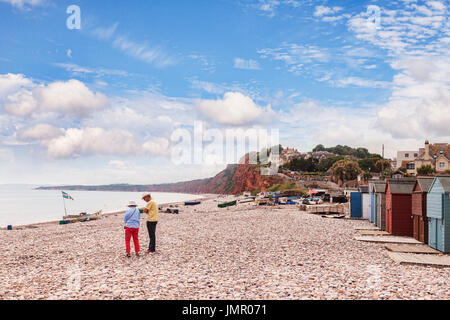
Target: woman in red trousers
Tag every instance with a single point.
(132, 221)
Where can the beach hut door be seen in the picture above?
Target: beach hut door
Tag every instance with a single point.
(433, 231)
(416, 226)
(421, 227)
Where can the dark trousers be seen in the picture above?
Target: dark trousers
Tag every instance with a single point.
(151, 227)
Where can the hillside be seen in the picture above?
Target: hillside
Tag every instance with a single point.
(237, 178)
(234, 179)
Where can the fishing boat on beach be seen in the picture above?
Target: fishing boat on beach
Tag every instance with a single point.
(227, 204)
(83, 216)
(192, 203)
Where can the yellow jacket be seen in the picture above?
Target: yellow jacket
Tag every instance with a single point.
(152, 214)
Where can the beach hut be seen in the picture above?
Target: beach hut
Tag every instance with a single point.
(365, 198)
(438, 213)
(398, 206)
(379, 190)
(375, 197)
(373, 203)
(419, 208)
(356, 205)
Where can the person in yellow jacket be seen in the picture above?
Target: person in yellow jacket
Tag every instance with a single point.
(151, 210)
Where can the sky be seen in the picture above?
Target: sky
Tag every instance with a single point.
(97, 97)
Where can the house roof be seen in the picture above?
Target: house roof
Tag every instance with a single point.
(445, 182)
(401, 186)
(436, 150)
(425, 183)
(364, 189)
(378, 186)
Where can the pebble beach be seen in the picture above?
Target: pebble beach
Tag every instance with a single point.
(241, 252)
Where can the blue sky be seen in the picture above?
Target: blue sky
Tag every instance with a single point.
(99, 104)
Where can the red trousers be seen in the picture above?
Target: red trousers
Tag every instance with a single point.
(132, 232)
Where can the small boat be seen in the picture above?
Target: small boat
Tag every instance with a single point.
(265, 202)
(227, 204)
(246, 200)
(82, 217)
(192, 203)
(173, 211)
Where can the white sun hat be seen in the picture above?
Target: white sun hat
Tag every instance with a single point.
(132, 204)
(146, 194)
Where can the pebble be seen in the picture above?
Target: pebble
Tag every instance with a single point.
(205, 252)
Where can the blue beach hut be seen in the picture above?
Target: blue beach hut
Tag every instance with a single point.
(438, 213)
(356, 210)
(379, 190)
(376, 189)
(365, 202)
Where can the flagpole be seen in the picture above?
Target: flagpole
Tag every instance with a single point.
(64, 202)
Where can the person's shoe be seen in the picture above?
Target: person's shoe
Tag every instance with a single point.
(128, 255)
(137, 254)
(149, 252)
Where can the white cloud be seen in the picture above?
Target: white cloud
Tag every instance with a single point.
(436, 5)
(151, 55)
(11, 83)
(310, 122)
(22, 97)
(323, 10)
(98, 72)
(296, 56)
(21, 103)
(268, 7)
(207, 63)
(92, 141)
(73, 143)
(246, 64)
(40, 132)
(69, 97)
(328, 14)
(359, 82)
(416, 39)
(234, 109)
(105, 33)
(157, 146)
(420, 103)
(69, 53)
(141, 51)
(119, 164)
(409, 29)
(22, 4)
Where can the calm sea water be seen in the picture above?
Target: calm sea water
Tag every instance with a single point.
(24, 205)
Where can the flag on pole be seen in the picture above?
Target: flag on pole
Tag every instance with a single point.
(66, 196)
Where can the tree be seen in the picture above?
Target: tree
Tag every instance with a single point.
(325, 164)
(300, 164)
(368, 164)
(425, 170)
(367, 176)
(319, 147)
(345, 170)
(383, 165)
(360, 153)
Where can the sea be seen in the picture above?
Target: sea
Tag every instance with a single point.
(23, 204)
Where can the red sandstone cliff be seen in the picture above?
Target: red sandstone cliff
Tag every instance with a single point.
(235, 179)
